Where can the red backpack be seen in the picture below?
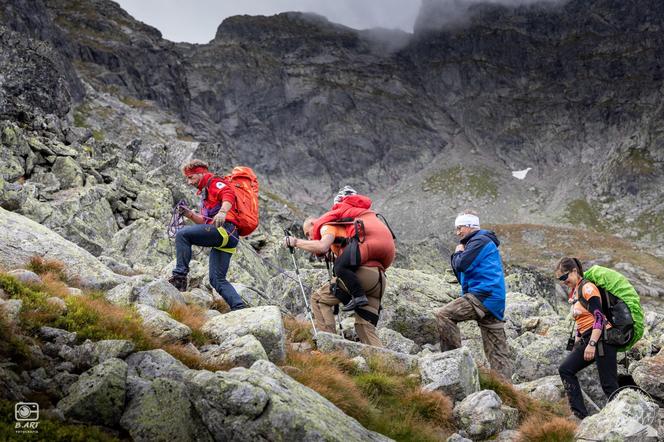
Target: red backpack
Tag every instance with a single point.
(245, 184)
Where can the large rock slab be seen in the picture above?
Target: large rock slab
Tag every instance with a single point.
(161, 325)
(549, 388)
(263, 403)
(155, 364)
(265, 323)
(648, 374)
(21, 238)
(410, 299)
(329, 343)
(163, 412)
(629, 417)
(453, 373)
(239, 352)
(92, 353)
(396, 341)
(99, 394)
(160, 294)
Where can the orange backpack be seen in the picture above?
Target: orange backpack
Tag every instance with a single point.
(244, 182)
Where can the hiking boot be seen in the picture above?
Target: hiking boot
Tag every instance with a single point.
(179, 282)
(354, 303)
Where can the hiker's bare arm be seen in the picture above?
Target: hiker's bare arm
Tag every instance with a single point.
(220, 217)
(318, 247)
(194, 216)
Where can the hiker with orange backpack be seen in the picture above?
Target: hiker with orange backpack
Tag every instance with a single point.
(374, 243)
(218, 225)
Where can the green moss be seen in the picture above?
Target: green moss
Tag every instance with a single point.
(636, 162)
(135, 102)
(98, 135)
(49, 430)
(581, 212)
(478, 183)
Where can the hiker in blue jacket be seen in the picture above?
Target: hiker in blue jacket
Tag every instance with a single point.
(477, 265)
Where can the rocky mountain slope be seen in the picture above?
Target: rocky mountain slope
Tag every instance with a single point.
(97, 112)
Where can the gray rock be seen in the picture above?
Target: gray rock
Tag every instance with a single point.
(22, 238)
(397, 342)
(238, 352)
(409, 301)
(648, 374)
(112, 348)
(549, 388)
(64, 381)
(57, 303)
(11, 386)
(198, 297)
(330, 343)
(122, 294)
(155, 364)
(98, 396)
(161, 325)
(628, 417)
(58, 336)
(164, 412)
(453, 373)
(12, 308)
(160, 294)
(25, 276)
(68, 172)
(263, 403)
(456, 437)
(92, 353)
(265, 323)
(361, 364)
(480, 414)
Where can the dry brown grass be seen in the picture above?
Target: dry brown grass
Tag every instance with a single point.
(192, 358)
(193, 317)
(430, 405)
(298, 331)
(322, 373)
(46, 266)
(547, 429)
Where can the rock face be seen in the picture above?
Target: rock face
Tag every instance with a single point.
(649, 375)
(239, 352)
(264, 403)
(453, 373)
(264, 323)
(99, 394)
(628, 417)
(482, 414)
(22, 238)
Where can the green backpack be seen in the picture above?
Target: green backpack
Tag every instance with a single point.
(620, 304)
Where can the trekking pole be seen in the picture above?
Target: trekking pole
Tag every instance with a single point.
(299, 280)
(337, 310)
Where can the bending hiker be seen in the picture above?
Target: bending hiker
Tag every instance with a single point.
(216, 227)
(588, 347)
(477, 265)
(378, 252)
(347, 205)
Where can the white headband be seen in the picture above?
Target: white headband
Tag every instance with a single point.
(467, 219)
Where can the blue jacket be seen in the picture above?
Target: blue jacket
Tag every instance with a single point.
(480, 270)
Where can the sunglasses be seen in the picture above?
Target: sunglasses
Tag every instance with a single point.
(564, 276)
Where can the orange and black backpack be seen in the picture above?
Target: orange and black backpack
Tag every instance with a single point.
(245, 184)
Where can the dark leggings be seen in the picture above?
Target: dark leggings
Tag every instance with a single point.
(607, 367)
(346, 272)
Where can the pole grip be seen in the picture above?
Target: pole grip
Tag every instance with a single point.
(288, 233)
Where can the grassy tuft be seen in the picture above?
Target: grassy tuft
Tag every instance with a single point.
(193, 317)
(298, 331)
(387, 400)
(553, 429)
(43, 266)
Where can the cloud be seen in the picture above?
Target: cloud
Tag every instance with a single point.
(443, 14)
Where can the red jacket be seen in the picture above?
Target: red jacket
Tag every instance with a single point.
(214, 191)
(349, 207)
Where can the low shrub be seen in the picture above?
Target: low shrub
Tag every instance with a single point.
(549, 429)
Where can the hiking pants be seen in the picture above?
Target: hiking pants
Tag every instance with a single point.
(323, 302)
(207, 235)
(607, 367)
(494, 339)
(346, 272)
